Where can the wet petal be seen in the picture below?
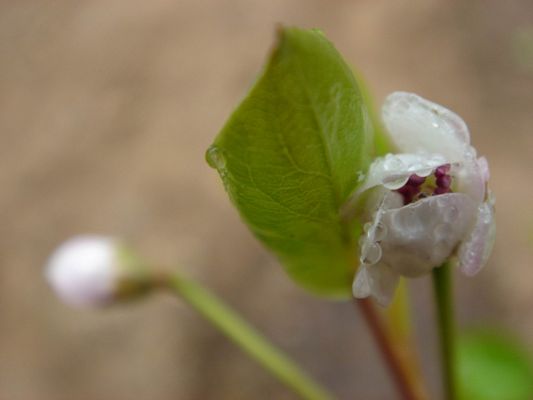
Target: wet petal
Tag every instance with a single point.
(393, 170)
(422, 235)
(378, 281)
(476, 249)
(361, 284)
(418, 125)
(483, 165)
(470, 177)
(370, 251)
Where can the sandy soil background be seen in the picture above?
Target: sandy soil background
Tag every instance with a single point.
(106, 109)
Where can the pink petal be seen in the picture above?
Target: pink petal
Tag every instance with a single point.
(483, 165)
(475, 251)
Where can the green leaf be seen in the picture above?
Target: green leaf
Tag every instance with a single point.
(493, 367)
(290, 155)
(382, 143)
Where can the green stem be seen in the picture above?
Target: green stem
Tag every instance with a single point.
(442, 284)
(245, 336)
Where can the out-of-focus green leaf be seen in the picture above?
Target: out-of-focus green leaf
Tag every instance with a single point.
(290, 156)
(382, 143)
(493, 367)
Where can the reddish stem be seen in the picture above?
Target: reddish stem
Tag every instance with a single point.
(397, 368)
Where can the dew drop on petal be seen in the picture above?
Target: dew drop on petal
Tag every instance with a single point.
(370, 254)
(380, 232)
(424, 171)
(395, 183)
(393, 163)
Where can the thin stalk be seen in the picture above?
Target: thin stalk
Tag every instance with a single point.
(245, 336)
(407, 387)
(399, 324)
(442, 285)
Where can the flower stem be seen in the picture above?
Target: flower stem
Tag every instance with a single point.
(442, 284)
(399, 323)
(245, 336)
(404, 379)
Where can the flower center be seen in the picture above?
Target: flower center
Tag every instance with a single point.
(418, 187)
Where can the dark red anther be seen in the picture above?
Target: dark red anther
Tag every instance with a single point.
(408, 192)
(444, 181)
(415, 180)
(441, 190)
(442, 170)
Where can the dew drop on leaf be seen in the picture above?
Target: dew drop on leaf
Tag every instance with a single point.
(215, 158)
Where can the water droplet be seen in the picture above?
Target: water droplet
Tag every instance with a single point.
(367, 226)
(215, 158)
(393, 163)
(370, 254)
(425, 171)
(396, 182)
(380, 232)
(470, 152)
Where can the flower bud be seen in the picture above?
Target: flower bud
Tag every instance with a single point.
(95, 271)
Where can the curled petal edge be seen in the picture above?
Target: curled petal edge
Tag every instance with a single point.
(378, 281)
(474, 252)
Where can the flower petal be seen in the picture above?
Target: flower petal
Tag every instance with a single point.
(84, 270)
(418, 125)
(471, 178)
(378, 281)
(423, 235)
(361, 284)
(393, 170)
(475, 251)
(483, 165)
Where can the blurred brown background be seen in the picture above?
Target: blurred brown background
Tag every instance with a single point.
(106, 108)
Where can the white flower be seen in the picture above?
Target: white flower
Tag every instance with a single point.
(426, 204)
(84, 271)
